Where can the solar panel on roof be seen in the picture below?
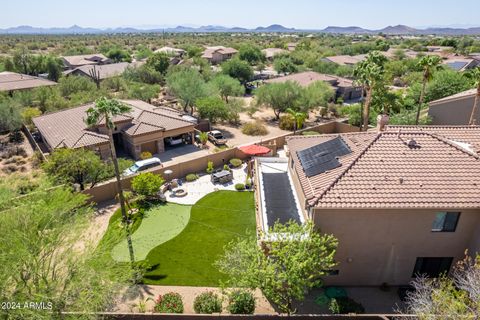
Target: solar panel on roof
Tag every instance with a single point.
(323, 156)
(457, 65)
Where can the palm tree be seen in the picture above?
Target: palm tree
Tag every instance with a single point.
(474, 75)
(104, 111)
(203, 136)
(369, 73)
(298, 117)
(428, 65)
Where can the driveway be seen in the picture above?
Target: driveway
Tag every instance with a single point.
(181, 154)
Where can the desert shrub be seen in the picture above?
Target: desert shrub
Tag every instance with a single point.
(209, 167)
(310, 133)
(191, 177)
(240, 187)
(286, 122)
(241, 302)
(26, 186)
(235, 162)
(145, 155)
(11, 168)
(207, 303)
(226, 167)
(170, 302)
(345, 305)
(333, 110)
(254, 129)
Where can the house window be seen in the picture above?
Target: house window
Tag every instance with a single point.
(445, 222)
(432, 267)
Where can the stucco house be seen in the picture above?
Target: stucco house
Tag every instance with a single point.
(218, 54)
(11, 81)
(72, 62)
(343, 87)
(102, 71)
(453, 110)
(145, 128)
(402, 200)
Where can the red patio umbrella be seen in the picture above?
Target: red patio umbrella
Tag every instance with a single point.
(254, 150)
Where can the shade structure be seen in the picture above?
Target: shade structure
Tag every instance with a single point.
(254, 150)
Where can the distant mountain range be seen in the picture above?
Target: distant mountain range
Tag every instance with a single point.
(391, 30)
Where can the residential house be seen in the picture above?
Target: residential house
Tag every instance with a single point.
(343, 87)
(291, 46)
(453, 110)
(270, 53)
(344, 60)
(11, 81)
(402, 201)
(218, 54)
(392, 52)
(145, 128)
(72, 62)
(102, 71)
(461, 63)
(172, 51)
(440, 49)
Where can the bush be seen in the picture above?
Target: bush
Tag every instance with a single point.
(240, 187)
(345, 305)
(235, 162)
(207, 303)
(169, 303)
(147, 184)
(254, 129)
(191, 177)
(286, 122)
(209, 167)
(145, 155)
(241, 302)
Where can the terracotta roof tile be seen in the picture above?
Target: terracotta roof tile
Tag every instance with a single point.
(10, 81)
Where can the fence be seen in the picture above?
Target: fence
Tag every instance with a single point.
(33, 143)
(108, 190)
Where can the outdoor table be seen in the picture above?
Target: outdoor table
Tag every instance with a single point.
(222, 175)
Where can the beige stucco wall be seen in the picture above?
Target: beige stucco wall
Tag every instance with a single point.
(383, 244)
(455, 112)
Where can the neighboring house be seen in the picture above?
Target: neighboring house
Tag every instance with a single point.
(401, 201)
(343, 87)
(218, 54)
(440, 49)
(453, 110)
(392, 52)
(11, 81)
(102, 71)
(344, 60)
(270, 53)
(72, 62)
(461, 64)
(145, 128)
(291, 46)
(172, 51)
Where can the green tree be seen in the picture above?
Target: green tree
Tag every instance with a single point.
(284, 269)
(104, 111)
(29, 113)
(74, 84)
(298, 117)
(368, 73)
(144, 73)
(54, 68)
(147, 184)
(250, 53)
(238, 69)
(446, 83)
(10, 118)
(212, 108)
(143, 91)
(228, 86)
(284, 64)
(428, 64)
(76, 166)
(474, 75)
(317, 94)
(279, 96)
(159, 61)
(119, 55)
(47, 257)
(188, 85)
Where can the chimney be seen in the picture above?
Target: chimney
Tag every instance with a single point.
(382, 122)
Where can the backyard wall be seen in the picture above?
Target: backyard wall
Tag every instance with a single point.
(108, 190)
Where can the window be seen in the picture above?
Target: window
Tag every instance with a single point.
(445, 222)
(432, 267)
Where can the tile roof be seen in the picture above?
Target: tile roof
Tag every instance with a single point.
(344, 60)
(10, 81)
(171, 50)
(383, 171)
(85, 59)
(106, 70)
(271, 52)
(67, 128)
(306, 78)
(208, 53)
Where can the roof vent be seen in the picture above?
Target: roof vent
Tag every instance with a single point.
(412, 143)
(400, 180)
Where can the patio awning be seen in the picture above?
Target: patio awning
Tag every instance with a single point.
(254, 150)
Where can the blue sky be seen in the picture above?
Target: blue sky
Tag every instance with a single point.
(243, 13)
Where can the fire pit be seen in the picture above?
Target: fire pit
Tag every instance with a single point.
(179, 192)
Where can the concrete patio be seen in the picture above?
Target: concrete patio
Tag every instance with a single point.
(202, 186)
(181, 154)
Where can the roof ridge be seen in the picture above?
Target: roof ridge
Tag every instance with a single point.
(167, 116)
(330, 186)
(87, 132)
(148, 124)
(450, 143)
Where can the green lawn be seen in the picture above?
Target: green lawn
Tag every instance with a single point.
(160, 224)
(215, 220)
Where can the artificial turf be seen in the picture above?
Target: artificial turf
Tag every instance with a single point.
(187, 259)
(159, 224)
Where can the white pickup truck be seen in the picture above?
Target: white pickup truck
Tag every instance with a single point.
(216, 137)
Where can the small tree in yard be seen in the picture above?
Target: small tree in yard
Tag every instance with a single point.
(283, 269)
(203, 136)
(212, 108)
(299, 118)
(228, 86)
(279, 96)
(147, 184)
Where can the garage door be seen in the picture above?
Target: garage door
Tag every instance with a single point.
(150, 147)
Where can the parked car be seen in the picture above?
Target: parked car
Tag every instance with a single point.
(142, 165)
(173, 141)
(216, 137)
